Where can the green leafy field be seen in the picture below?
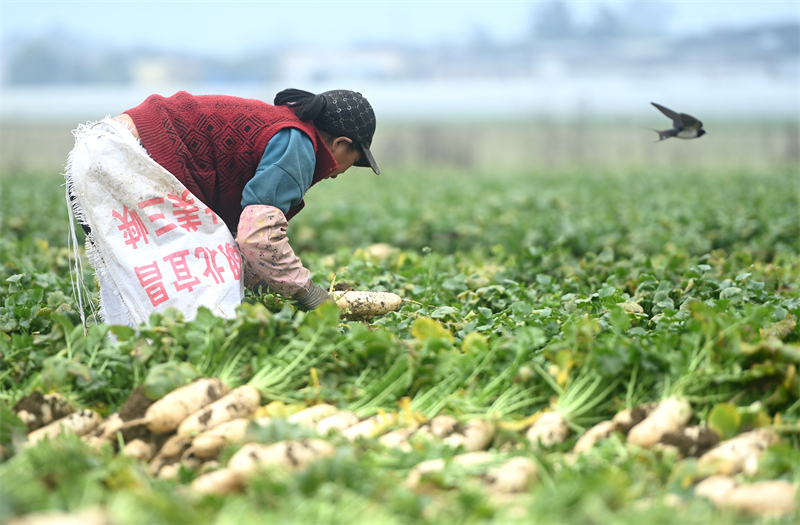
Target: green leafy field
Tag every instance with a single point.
(528, 291)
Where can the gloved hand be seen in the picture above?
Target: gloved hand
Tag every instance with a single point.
(314, 296)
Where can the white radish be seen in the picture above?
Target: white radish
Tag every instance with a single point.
(131, 429)
(691, 441)
(549, 429)
(94, 442)
(397, 439)
(209, 444)
(366, 305)
(51, 407)
(443, 426)
(296, 454)
(220, 482)
(380, 250)
(671, 415)
(598, 432)
(439, 427)
(99, 430)
(311, 415)
(515, 475)
(477, 434)
(336, 422)
(770, 498)
(166, 414)
(629, 418)
(109, 427)
(191, 462)
(174, 446)
(716, 489)
(238, 403)
(262, 421)
(741, 453)
(78, 423)
(140, 449)
(170, 471)
(370, 427)
(437, 465)
(208, 466)
(666, 451)
(170, 452)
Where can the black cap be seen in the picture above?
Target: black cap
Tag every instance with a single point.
(347, 113)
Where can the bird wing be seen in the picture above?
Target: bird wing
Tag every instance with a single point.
(677, 121)
(689, 122)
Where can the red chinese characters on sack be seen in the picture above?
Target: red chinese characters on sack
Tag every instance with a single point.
(185, 280)
(211, 264)
(132, 227)
(156, 216)
(150, 278)
(234, 259)
(186, 211)
(209, 211)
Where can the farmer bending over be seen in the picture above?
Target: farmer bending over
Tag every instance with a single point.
(250, 163)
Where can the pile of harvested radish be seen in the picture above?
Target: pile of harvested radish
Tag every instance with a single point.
(190, 427)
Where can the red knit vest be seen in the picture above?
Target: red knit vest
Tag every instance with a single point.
(213, 144)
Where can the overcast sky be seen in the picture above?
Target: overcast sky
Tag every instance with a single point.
(230, 26)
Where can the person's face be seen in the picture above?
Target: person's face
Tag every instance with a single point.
(344, 154)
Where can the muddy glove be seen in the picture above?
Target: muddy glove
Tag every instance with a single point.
(315, 296)
(269, 260)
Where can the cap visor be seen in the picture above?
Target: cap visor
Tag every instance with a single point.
(368, 161)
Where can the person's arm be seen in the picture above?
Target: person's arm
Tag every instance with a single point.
(269, 260)
(284, 173)
(281, 180)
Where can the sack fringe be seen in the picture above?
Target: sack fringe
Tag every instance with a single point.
(76, 214)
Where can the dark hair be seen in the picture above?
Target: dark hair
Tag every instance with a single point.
(306, 105)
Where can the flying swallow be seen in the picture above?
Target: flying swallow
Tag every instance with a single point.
(684, 126)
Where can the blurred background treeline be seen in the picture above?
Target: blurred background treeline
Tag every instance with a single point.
(571, 85)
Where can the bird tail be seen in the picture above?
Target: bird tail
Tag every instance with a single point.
(665, 134)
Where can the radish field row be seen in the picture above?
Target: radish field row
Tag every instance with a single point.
(540, 311)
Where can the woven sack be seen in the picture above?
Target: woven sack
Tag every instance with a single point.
(153, 244)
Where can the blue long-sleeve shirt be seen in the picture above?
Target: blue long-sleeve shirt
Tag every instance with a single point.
(285, 172)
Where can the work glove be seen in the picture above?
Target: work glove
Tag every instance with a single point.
(313, 297)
